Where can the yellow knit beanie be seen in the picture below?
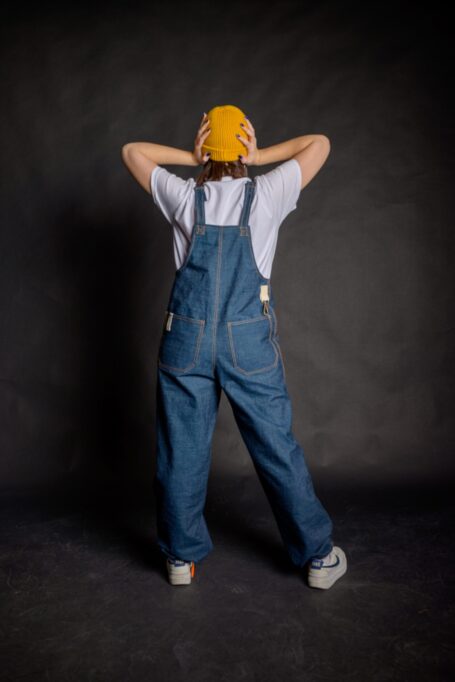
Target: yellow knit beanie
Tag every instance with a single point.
(221, 142)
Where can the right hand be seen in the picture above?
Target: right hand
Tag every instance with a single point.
(252, 157)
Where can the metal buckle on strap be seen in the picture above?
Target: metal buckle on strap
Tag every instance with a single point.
(243, 231)
(200, 229)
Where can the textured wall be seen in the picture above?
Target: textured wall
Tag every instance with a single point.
(363, 270)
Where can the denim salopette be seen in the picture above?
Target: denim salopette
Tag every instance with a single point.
(220, 332)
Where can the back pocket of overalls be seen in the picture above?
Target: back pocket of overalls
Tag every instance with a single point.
(180, 342)
(251, 344)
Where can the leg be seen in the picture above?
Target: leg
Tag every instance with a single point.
(263, 413)
(186, 410)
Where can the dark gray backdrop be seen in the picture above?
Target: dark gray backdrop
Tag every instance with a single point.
(363, 269)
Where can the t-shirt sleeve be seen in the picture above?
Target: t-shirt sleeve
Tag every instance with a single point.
(168, 191)
(280, 188)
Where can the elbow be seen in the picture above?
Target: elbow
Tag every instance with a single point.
(124, 151)
(325, 141)
(128, 147)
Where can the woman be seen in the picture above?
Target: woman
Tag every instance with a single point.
(220, 332)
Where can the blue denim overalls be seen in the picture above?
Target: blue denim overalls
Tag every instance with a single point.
(220, 332)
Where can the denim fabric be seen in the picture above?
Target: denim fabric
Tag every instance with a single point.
(221, 337)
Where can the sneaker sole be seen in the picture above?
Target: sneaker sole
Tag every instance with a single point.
(324, 582)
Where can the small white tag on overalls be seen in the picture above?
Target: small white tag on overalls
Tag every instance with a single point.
(169, 321)
(264, 296)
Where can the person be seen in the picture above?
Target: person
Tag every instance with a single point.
(220, 333)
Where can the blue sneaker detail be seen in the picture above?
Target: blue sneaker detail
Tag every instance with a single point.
(323, 575)
(180, 572)
(319, 563)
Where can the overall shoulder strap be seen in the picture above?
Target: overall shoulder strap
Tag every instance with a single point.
(199, 204)
(250, 188)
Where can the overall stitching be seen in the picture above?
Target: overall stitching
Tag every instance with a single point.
(232, 344)
(217, 296)
(190, 250)
(276, 342)
(201, 324)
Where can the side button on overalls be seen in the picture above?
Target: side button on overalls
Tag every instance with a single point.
(220, 332)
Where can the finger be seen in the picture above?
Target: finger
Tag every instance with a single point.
(248, 129)
(203, 136)
(249, 123)
(247, 143)
(202, 127)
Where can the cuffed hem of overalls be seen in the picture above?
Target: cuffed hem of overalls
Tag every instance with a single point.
(195, 558)
(297, 561)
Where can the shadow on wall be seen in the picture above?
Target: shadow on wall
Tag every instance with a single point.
(112, 285)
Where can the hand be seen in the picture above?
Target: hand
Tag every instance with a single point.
(250, 143)
(202, 133)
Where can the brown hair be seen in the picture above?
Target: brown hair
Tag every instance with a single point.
(214, 170)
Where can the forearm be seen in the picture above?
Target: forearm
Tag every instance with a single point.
(161, 154)
(284, 150)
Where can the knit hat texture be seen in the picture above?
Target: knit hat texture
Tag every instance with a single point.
(222, 142)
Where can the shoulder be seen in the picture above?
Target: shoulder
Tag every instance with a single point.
(279, 189)
(161, 178)
(287, 173)
(167, 186)
(170, 192)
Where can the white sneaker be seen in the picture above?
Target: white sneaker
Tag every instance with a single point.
(180, 572)
(324, 572)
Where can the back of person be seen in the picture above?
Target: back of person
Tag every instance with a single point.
(276, 196)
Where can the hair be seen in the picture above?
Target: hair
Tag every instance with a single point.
(214, 170)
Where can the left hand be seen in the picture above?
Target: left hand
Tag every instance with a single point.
(203, 132)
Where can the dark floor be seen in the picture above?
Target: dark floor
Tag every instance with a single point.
(85, 596)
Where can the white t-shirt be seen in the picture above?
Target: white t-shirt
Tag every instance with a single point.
(276, 196)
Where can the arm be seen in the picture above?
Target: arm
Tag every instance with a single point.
(310, 151)
(142, 157)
